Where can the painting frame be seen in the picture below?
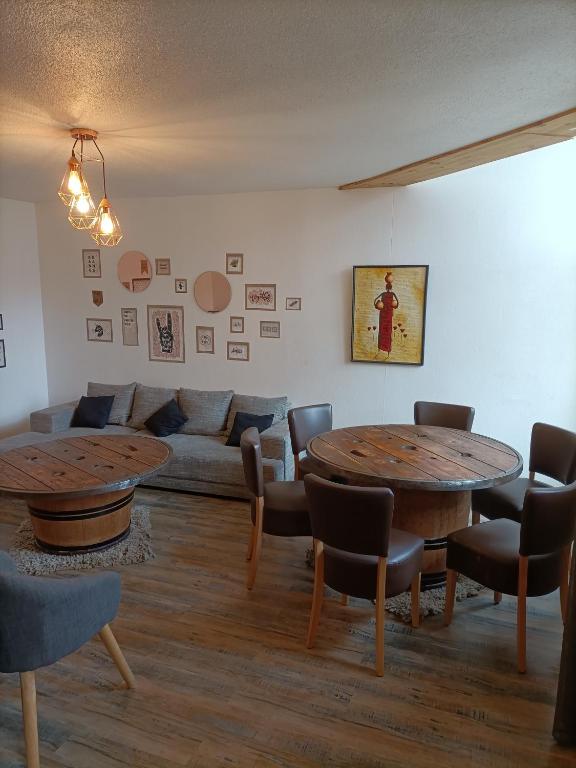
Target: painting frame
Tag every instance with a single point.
(231, 267)
(386, 337)
(258, 300)
(1, 322)
(293, 304)
(245, 346)
(206, 332)
(89, 271)
(269, 329)
(169, 352)
(92, 333)
(163, 267)
(236, 324)
(181, 285)
(2, 354)
(129, 321)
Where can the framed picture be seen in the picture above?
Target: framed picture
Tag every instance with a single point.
(91, 262)
(269, 329)
(129, 317)
(234, 263)
(181, 285)
(163, 266)
(98, 329)
(260, 296)
(1, 323)
(389, 314)
(294, 303)
(236, 325)
(166, 334)
(238, 350)
(98, 298)
(2, 354)
(205, 339)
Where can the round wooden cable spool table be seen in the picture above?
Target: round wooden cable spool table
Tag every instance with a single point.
(79, 490)
(432, 471)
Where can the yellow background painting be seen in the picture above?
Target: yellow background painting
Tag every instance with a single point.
(393, 332)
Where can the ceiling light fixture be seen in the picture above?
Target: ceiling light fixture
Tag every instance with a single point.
(74, 192)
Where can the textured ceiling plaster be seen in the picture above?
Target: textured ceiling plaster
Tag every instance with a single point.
(233, 95)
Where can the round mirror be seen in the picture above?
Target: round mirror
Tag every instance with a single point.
(212, 291)
(134, 271)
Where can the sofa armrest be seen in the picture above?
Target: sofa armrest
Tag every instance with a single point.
(54, 419)
(275, 442)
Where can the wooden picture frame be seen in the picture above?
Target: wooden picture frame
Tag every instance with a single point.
(260, 296)
(99, 329)
(269, 329)
(2, 354)
(234, 263)
(166, 333)
(205, 339)
(181, 285)
(1, 323)
(238, 350)
(236, 324)
(163, 266)
(91, 264)
(129, 317)
(294, 303)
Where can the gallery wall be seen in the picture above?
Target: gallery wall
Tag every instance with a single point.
(501, 301)
(23, 385)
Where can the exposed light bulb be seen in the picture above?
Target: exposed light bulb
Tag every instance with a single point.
(106, 224)
(81, 205)
(82, 214)
(74, 183)
(106, 229)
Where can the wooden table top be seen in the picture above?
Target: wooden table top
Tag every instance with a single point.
(81, 466)
(416, 457)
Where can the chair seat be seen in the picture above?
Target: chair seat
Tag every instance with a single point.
(286, 509)
(488, 553)
(504, 501)
(355, 575)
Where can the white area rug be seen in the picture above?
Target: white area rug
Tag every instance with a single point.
(135, 548)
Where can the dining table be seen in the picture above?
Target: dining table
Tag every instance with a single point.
(431, 470)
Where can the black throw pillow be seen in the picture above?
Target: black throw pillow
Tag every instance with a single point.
(167, 420)
(93, 412)
(244, 420)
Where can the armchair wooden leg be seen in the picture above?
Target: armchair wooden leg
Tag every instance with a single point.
(521, 613)
(497, 597)
(415, 600)
(29, 713)
(343, 599)
(564, 582)
(451, 579)
(117, 656)
(256, 543)
(475, 517)
(318, 595)
(380, 614)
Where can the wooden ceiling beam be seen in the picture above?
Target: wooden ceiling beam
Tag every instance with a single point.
(550, 130)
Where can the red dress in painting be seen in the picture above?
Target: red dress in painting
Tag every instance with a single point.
(386, 303)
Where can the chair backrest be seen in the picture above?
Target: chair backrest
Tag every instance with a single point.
(348, 517)
(252, 460)
(553, 452)
(548, 520)
(306, 422)
(443, 415)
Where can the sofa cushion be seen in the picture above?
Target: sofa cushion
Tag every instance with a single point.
(243, 421)
(147, 400)
(123, 396)
(92, 411)
(167, 420)
(206, 411)
(261, 406)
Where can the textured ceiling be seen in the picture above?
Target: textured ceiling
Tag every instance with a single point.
(235, 95)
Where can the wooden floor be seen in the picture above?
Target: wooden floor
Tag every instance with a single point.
(225, 680)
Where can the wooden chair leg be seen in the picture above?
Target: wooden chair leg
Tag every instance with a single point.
(117, 656)
(380, 614)
(415, 600)
(475, 517)
(451, 579)
(256, 544)
(497, 597)
(318, 596)
(297, 472)
(521, 613)
(564, 582)
(30, 716)
(251, 544)
(343, 599)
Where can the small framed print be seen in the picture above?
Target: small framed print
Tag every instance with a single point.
(238, 350)
(166, 334)
(234, 263)
(269, 329)
(129, 317)
(236, 325)
(205, 339)
(163, 266)
(2, 354)
(98, 329)
(91, 262)
(260, 296)
(294, 303)
(181, 285)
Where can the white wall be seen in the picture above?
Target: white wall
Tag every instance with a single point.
(23, 385)
(501, 303)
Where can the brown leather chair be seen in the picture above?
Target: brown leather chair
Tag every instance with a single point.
(357, 552)
(525, 559)
(443, 415)
(552, 453)
(305, 423)
(278, 508)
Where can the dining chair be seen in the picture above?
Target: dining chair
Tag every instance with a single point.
(278, 507)
(305, 423)
(358, 553)
(44, 619)
(443, 415)
(552, 454)
(525, 559)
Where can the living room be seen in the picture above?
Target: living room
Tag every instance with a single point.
(228, 130)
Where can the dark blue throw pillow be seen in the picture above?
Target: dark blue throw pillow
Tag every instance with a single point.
(244, 420)
(167, 420)
(93, 412)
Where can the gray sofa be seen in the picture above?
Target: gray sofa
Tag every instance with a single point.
(201, 461)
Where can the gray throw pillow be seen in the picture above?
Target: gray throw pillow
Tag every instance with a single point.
(123, 396)
(260, 406)
(206, 411)
(147, 400)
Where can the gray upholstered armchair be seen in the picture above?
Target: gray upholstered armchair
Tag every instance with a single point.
(42, 620)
